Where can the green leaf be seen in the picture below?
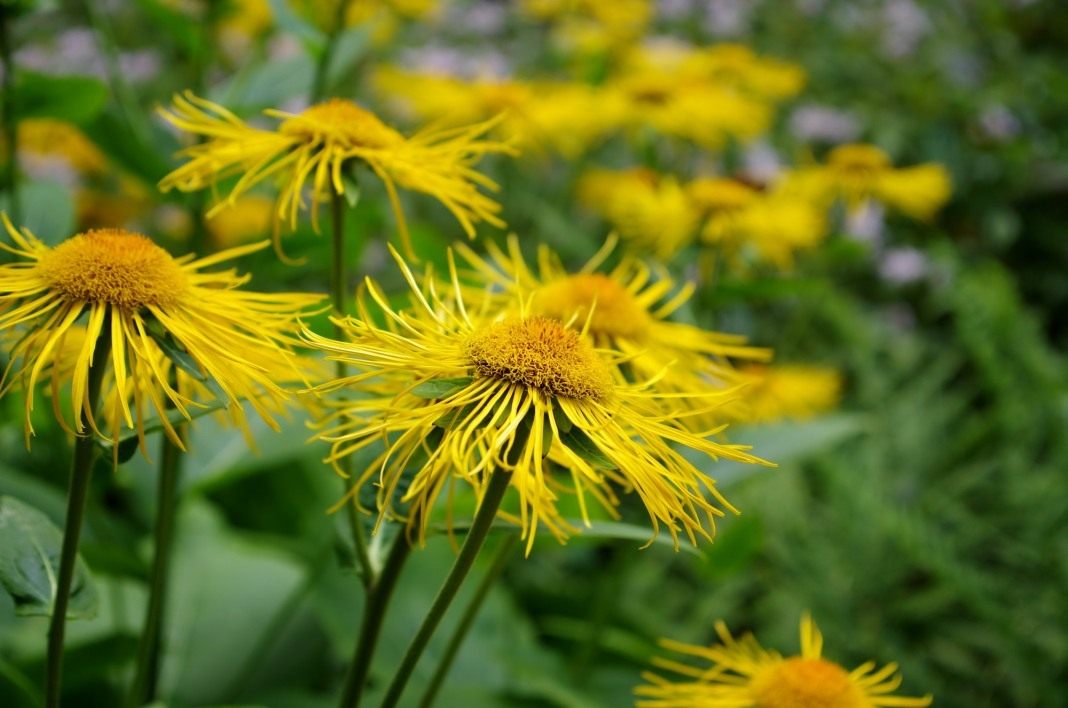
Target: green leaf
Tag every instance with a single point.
(77, 99)
(352, 189)
(629, 532)
(29, 563)
(441, 388)
(47, 210)
(127, 446)
(174, 351)
(580, 444)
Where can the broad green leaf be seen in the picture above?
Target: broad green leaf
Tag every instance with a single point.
(77, 99)
(46, 209)
(29, 563)
(441, 388)
(630, 532)
(127, 446)
(580, 443)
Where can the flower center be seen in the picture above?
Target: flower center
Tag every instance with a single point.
(806, 683)
(540, 353)
(113, 266)
(858, 158)
(615, 311)
(717, 195)
(341, 122)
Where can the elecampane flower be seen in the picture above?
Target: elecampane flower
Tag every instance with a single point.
(742, 674)
(457, 394)
(316, 146)
(137, 301)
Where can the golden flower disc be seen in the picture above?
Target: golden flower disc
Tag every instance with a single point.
(615, 311)
(113, 266)
(806, 683)
(542, 354)
(858, 158)
(343, 123)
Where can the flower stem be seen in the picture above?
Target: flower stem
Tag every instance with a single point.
(504, 553)
(10, 127)
(374, 612)
(148, 653)
(476, 536)
(85, 449)
(322, 68)
(339, 291)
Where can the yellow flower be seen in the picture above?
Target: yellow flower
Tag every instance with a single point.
(250, 217)
(793, 391)
(457, 394)
(745, 675)
(139, 304)
(624, 309)
(651, 212)
(856, 173)
(320, 144)
(51, 139)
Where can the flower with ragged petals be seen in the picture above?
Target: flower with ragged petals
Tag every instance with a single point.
(454, 393)
(142, 307)
(739, 673)
(318, 146)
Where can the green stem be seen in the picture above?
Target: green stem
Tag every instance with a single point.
(85, 449)
(146, 676)
(487, 511)
(326, 58)
(10, 127)
(339, 291)
(504, 553)
(374, 612)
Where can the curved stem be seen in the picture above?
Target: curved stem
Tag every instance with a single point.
(148, 653)
(338, 290)
(504, 553)
(487, 511)
(85, 449)
(374, 612)
(10, 126)
(322, 67)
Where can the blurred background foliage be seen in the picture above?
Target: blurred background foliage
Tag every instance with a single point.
(921, 522)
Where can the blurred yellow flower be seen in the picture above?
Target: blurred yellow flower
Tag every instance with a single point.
(742, 674)
(458, 394)
(615, 24)
(249, 218)
(651, 212)
(320, 144)
(856, 173)
(624, 309)
(57, 140)
(787, 391)
(138, 301)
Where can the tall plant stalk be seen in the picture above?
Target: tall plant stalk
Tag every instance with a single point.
(326, 58)
(85, 450)
(476, 537)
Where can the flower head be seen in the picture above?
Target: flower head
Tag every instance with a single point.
(788, 391)
(142, 308)
(318, 146)
(745, 675)
(457, 393)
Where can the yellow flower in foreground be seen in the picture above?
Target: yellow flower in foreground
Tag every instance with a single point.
(141, 305)
(745, 675)
(624, 309)
(320, 144)
(856, 173)
(651, 212)
(456, 395)
(794, 391)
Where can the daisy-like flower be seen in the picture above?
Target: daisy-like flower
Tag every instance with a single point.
(318, 145)
(151, 313)
(457, 394)
(745, 675)
(625, 309)
(856, 173)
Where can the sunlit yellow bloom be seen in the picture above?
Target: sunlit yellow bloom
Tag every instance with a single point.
(651, 212)
(249, 218)
(617, 23)
(624, 309)
(774, 226)
(319, 145)
(856, 173)
(793, 391)
(742, 674)
(56, 140)
(137, 302)
(457, 394)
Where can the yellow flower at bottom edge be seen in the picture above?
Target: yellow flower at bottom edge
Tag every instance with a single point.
(625, 309)
(318, 144)
(745, 675)
(136, 300)
(458, 395)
